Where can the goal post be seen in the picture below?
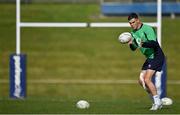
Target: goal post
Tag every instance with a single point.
(159, 20)
(18, 60)
(20, 24)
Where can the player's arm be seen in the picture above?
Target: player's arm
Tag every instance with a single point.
(132, 46)
(150, 44)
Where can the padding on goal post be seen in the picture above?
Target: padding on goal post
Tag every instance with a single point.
(160, 79)
(17, 76)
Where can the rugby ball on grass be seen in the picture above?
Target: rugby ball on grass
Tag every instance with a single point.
(124, 37)
(167, 101)
(82, 104)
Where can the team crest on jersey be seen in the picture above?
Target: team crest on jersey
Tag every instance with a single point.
(139, 41)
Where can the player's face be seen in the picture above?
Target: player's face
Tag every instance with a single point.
(134, 23)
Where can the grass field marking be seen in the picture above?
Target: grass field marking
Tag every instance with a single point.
(84, 81)
(88, 81)
(79, 81)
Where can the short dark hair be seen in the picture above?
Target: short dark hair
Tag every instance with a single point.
(132, 15)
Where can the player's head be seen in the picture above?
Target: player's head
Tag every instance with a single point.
(134, 21)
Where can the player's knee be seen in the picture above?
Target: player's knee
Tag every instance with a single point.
(147, 80)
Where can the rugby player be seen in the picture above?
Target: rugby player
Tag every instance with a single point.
(144, 38)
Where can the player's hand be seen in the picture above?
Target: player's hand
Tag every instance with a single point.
(130, 42)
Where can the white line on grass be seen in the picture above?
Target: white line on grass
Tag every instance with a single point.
(86, 81)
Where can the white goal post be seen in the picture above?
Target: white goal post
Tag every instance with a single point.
(18, 60)
(20, 24)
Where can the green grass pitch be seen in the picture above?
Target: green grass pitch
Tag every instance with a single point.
(67, 54)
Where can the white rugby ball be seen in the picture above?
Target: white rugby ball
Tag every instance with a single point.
(125, 37)
(167, 101)
(82, 104)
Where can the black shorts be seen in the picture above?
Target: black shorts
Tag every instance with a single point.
(153, 64)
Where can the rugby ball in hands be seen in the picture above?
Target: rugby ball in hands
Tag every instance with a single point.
(167, 101)
(124, 37)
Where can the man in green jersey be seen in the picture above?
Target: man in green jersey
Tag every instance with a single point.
(144, 38)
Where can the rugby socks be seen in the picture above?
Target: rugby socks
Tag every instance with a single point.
(157, 100)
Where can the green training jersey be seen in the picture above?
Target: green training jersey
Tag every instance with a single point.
(143, 34)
